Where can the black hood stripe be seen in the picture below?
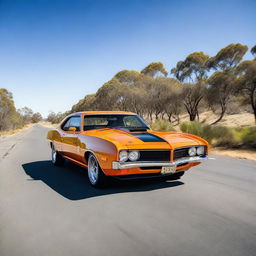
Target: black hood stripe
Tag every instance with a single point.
(147, 137)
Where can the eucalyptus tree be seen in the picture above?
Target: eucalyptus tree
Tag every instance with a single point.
(222, 86)
(253, 51)
(7, 110)
(129, 77)
(193, 73)
(133, 90)
(156, 90)
(56, 118)
(36, 117)
(112, 95)
(154, 68)
(222, 81)
(246, 81)
(85, 104)
(171, 100)
(26, 114)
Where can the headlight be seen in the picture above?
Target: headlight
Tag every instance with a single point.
(123, 156)
(134, 155)
(200, 150)
(192, 151)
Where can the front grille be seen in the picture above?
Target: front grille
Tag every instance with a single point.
(154, 155)
(180, 152)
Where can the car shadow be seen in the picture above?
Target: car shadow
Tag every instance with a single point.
(71, 181)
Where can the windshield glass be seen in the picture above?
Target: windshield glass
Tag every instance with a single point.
(114, 121)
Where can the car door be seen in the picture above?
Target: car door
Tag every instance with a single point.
(70, 141)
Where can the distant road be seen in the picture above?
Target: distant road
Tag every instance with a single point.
(52, 211)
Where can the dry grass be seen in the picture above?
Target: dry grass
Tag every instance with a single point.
(11, 132)
(48, 124)
(236, 120)
(237, 153)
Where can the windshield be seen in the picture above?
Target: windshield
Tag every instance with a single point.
(131, 122)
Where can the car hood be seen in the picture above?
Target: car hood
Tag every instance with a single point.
(149, 139)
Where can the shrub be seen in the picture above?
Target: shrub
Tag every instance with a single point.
(162, 125)
(247, 136)
(221, 135)
(216, 135)
(192, 127)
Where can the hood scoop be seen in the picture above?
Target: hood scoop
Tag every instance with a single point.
(138, 129)
(147, 137)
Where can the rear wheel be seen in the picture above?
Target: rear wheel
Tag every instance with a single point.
(57, 158)
(175, 176)
(95, 175)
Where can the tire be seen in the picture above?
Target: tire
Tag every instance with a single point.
(175, 176)
(57, 158)
(96, 176)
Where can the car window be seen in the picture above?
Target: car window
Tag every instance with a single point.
(74, 121)
(113, 121)
(130, 121)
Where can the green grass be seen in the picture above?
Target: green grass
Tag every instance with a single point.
(221, 135)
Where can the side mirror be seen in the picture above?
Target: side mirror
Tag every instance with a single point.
(71, 129)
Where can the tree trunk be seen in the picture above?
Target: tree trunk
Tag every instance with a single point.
(192, 116)
(223, 111)
(150, 117)
(169, 117)
(253, 101)
(192, 108)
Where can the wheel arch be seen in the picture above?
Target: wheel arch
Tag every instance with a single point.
(86, 157)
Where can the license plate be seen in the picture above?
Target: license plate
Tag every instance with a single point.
(168, 169)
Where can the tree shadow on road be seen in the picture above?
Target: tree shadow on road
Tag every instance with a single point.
(71, 181)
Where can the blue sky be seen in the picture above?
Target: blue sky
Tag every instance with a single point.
(53, 53)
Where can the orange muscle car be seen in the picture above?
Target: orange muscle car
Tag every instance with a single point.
(121, 144)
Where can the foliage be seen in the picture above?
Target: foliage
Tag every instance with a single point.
(221, 135)
(248, 137)
(246, 82)
(253, 50)
(221, 83)
(153, 68)
(228, 57)
(26, 114)
(36, 117)
(194, 67)
(56, 118)
(10, 118)
(194, 70)
(161, 125)
(153, 95)
(85, 104)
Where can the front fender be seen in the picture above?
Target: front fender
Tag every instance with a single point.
(105, 151)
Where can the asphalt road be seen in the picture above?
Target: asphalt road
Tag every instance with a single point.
(51, 211)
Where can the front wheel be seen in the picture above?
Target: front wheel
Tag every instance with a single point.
(95, 175)
(57, 158)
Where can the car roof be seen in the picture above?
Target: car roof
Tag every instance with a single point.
(104, 113)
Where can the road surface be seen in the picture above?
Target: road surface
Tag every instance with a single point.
(52, 211)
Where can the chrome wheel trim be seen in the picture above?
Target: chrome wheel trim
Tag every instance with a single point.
(54, 155)
(93, 170)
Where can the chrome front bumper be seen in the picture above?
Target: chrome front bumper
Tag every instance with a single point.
(127, 165)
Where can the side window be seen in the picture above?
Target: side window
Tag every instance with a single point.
(74, 121)
(66, 125)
